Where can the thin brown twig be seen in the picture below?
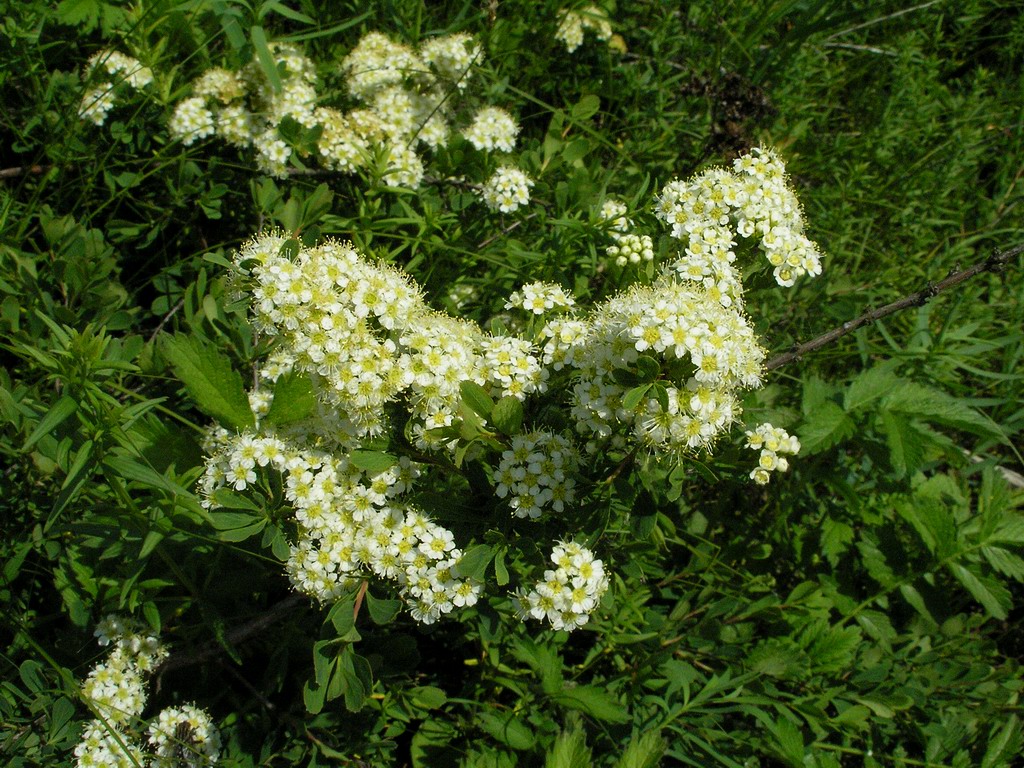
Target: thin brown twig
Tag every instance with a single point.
(994, 263)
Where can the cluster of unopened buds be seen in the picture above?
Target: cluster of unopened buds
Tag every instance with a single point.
(115, 690)
(627, 247)
(774, 444)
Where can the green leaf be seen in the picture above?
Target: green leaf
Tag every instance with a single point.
(933, 522)
(265, 57)
(473, 563)
(507, 416)
(476, 397)
(992, 595)
(869, 386)
(937, 407)
(825, 426)
(586, 107)
(592, 701)
(507, 728)
(293, 401)
(1005, 562)
(1004, 747)
(633, 397)
(643, 751)
(647, 368)
(372, 462)
(382, 611)
(428, 697)
(56, 416)
(906, 446)
(500, 571)
(214, 386)
(789, 742)
(570, 750)
(342, 614)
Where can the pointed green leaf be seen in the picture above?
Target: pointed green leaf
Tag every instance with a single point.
(294, 399)
(826, 425)
(372, 462)
(633, 397)
(382, 611)
(476, 398)
(593, 701)
(992, 595)
(507, 416)
(868, 386)
(56, 416)
(265, 57)
(211, 382)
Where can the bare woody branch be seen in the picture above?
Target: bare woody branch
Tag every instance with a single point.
(994, 263)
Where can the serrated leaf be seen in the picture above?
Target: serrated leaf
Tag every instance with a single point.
(1004, 747)
(836, 538)
(211, 382)
(937, 407)
(507, 416)
(294, 399)
(826, 425)
(868, 386)
(593, 701)
(570, 750)
(1004, 561)
(933, 522)
(643, 751)
(992, 595)
(906, 446)
(506, 728)
(476, 397)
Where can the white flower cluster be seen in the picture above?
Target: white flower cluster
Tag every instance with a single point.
(507, 190)
(540, 297)
(245, 109)
(753, 200)
(117, 74)
(363, 331)
(570, 592)
(627, 247)
(536, 473)
(772, 442)
(351, 524)
(406, 102)
(184, 736)
(706, 351)
(492, 128)
(573, 24)
(116, 690)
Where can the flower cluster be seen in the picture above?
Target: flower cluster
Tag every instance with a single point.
(407, 101)
(536, 473)
(570, 591)
(573, 24)
(627, 247)
(492, 128)
(116, 691)
(365, 335)
(753, 200)
(538, 298)
(184, 735)
(772, 442)
(351, 523)
(706, 351)
(112, 73)
(507, 190)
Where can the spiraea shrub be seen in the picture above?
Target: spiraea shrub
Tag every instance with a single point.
(511, 384)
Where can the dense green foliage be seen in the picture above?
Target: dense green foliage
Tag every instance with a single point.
(864, 608)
